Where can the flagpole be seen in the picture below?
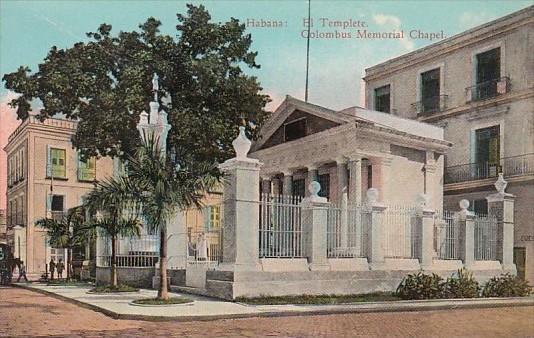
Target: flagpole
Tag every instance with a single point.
(308, 51)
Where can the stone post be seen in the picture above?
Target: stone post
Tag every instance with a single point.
(425, 217)
(241, 211)
(177, 238)
(375, 230)
(501, 205)
(314, 223)
(467, 234)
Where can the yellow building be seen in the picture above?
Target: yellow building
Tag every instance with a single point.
(45, 178)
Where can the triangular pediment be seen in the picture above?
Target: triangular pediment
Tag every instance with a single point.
(292, 118)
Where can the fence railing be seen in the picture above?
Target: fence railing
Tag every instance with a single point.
(142, 251)
(280, 229)
(509, 166)
(447, 235)
(401, 231)
(346, 232)
(205, 247)
(485, 238)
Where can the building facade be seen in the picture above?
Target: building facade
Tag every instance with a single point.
(3, 226)
(479, 86)
(46, 177)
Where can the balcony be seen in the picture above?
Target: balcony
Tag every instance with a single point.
(430, 105)
(510, 167)
(57, 215)
(86, 174)
(488, 89)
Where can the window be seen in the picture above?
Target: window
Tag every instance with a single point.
(430, 99)
(212, 217)
(382, 99)
(295, 130)
(56, 164)
(55, 206)
(479, 207)
(299, 187)
(86, 169)
(487, 151)
(488, 73)
(324, 181)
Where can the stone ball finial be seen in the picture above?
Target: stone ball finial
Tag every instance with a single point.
(422, 200)
(464, 204)
(314, 187)
(501, 184)
(241, 144)
(372, 196)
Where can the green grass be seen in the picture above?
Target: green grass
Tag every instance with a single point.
(320, 299)
(155, 301)
(111, 289)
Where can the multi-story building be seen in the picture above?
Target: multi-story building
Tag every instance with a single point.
(46, 177)
(478, 85)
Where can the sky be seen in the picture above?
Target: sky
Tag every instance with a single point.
(28, 29)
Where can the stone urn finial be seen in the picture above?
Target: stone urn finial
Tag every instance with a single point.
(314, 187)
(241, 144)
(464, 204)
(501, 184)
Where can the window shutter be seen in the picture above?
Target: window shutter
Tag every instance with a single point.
(207, 218)
(48, 161)
(48, 202)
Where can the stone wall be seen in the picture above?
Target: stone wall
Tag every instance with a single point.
(137, 277)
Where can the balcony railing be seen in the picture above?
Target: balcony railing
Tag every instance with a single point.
(86, 174)
(509, 166)
(488, 89)
(430, 105)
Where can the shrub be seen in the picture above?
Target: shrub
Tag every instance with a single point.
(461, 285)
(506, 286)
(420, 286)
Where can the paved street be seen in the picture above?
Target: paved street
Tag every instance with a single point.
(26, 313)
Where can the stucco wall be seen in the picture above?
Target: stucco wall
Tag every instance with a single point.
(137, 277)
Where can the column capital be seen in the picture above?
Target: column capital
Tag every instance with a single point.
(266, 177)
(312, 166)
(287, 172)
(355, 158)
(341, 160)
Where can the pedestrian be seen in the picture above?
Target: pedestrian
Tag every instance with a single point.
(60, 266)
(22, 272)
(52, 267)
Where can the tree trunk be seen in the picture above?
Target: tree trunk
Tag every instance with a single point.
(67, 262)
(70, 270)
(114, 280)
(163, 292)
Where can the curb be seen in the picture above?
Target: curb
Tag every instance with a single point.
(401, 307)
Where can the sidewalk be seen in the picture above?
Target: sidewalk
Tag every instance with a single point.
(118, 305)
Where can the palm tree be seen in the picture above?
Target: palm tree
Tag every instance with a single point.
(65, 233)
(166, 188)
(118, 216)
(158, 187)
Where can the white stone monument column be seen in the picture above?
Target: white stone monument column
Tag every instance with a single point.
(241, 209)
(467, 234)
(501, 205)
(314, 223)
(375, 230)
(426, 219)
(355, 181)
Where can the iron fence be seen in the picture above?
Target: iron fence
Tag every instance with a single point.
(346, 232)
(280, 228)
(485, 238)
(446, 235)
(489, 89)
(142, 251)
(401, 232)
(430, 105)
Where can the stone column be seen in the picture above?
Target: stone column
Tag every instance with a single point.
(375, 230)
(355, 180)
(430, 169)
(177, 241)
(426, 220)
(312, 176)
(467, 234)
(275, 186)
(501, 205)
(314, 220)
(342, 184)
(241, 212)
(381, 177)
(288, 184)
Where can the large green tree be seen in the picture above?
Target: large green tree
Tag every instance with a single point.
(105, 83)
